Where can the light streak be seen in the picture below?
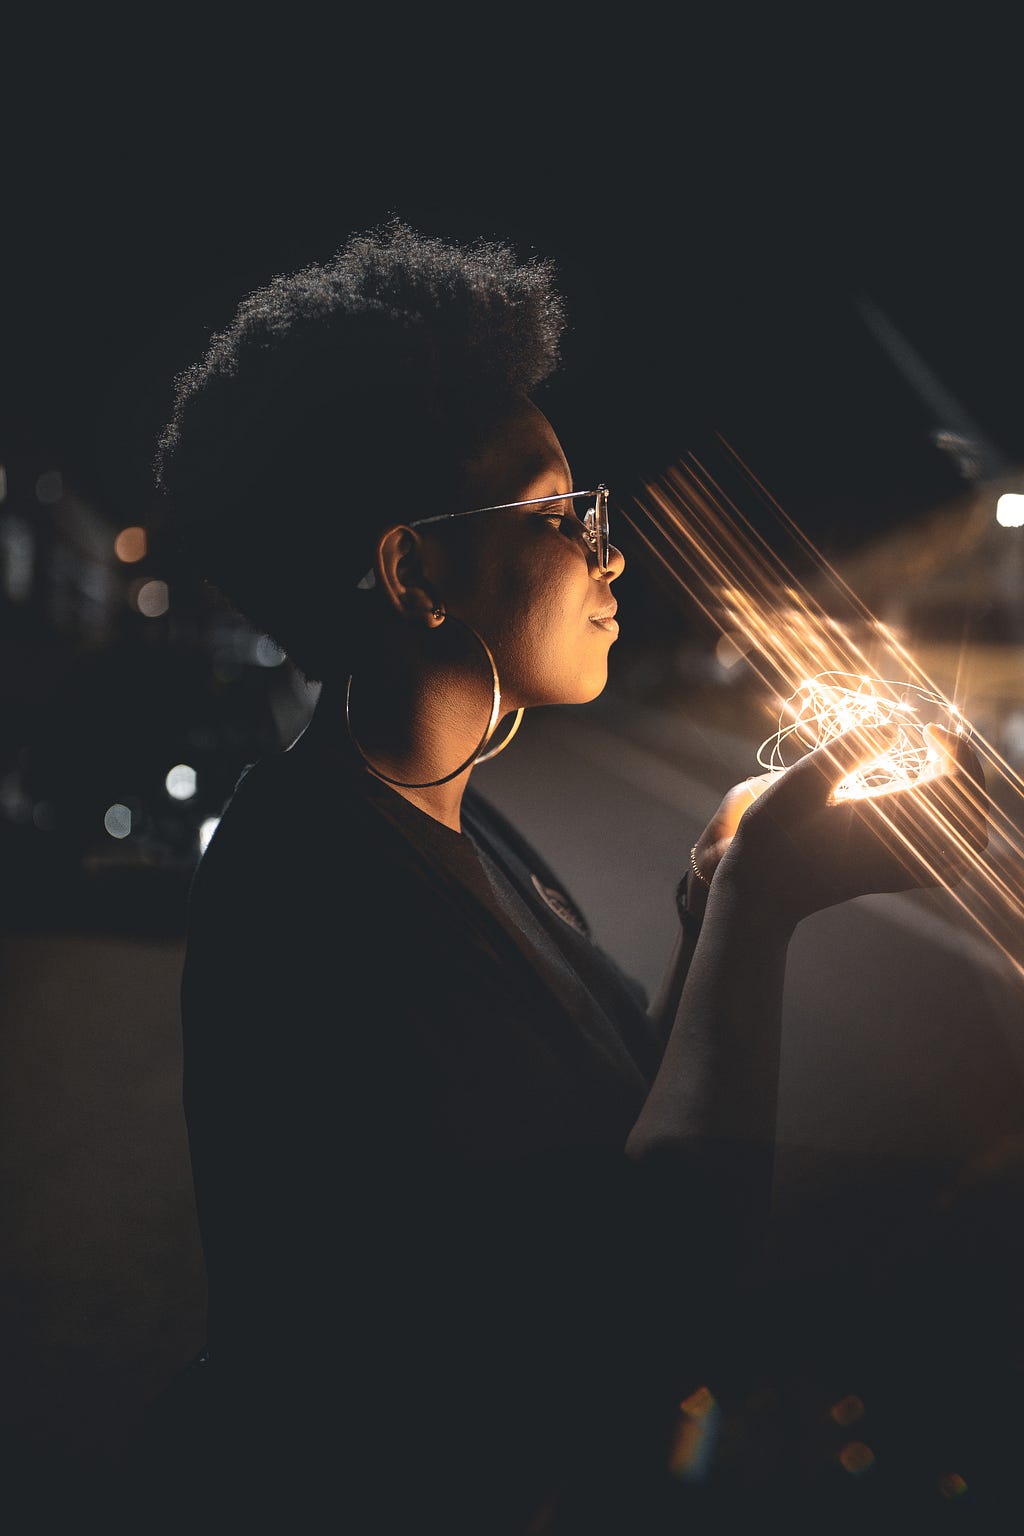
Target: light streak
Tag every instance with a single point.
(827, 673)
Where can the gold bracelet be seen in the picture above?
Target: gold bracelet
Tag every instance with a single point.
(696, 868)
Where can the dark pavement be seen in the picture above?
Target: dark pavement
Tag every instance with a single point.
(101, 1272)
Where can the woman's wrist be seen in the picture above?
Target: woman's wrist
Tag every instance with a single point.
(691, 915)
(761, 908)
(692, 895)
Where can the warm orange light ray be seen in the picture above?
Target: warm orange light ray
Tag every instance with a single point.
(818, 639)
(1006, 770)
(826, 679)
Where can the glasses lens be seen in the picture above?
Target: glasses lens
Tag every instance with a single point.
(596, 522)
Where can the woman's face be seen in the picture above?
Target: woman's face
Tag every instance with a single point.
(524, 577)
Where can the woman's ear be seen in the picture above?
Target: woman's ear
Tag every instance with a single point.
(399, 570)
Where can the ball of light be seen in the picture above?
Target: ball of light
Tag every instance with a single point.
(1010, 510)
(130, 545)
(152, 599)
(180, 782)
(118, 820)
(856, 1457)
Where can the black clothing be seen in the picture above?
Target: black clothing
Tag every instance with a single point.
(409, 1078)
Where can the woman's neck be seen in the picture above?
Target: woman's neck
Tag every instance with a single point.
(412, 761)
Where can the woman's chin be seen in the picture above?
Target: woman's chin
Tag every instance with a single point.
(582, 690)
(592, 688)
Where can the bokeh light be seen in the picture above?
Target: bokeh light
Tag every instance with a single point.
(692, 1448)
(856, 1457)
(151, 598)
(180, 782)
(1010, 510)
(118, 820)
(847, 1410)
(131, 545)
(730, 649)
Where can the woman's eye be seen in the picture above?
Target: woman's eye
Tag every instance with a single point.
(566, 522)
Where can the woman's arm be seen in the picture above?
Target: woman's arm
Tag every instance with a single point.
(692, 894)
(795, 851)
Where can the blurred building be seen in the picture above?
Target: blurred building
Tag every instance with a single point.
(131, 702)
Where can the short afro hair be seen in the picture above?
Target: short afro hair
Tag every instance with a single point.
(341, 398)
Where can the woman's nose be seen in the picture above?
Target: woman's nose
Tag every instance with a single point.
(615, 567)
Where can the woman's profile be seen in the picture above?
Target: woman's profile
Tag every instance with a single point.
(475, 1210)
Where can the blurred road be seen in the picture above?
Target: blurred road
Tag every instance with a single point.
(904, 1041)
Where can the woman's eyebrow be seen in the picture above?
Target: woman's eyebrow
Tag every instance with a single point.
(553, 495)
(543, 470)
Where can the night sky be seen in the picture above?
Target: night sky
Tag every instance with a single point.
(714, 242)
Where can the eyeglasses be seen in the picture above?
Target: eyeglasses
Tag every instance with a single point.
(594, 522)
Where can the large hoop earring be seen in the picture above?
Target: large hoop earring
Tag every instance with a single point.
(478, 755)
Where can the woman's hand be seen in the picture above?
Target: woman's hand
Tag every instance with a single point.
(798, 847)
(718, 834)
(721, 829)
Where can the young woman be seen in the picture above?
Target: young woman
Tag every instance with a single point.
(475, 1211)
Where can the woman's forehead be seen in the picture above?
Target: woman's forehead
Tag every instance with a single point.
(522, 457)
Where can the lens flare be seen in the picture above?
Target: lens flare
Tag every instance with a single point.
(828, 671)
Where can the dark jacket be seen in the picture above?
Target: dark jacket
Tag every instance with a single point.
(409, 1078)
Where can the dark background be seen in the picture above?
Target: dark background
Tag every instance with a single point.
(719, 198)
(716, 201)
(730, 300)
(719, 207)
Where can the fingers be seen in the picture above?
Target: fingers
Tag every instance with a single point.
(735, 803)
(824, 768)
(923, 835)
(758, 784)
(743, 795)
(953, 750)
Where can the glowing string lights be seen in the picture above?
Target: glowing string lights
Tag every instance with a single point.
(827, 705)
(826, 668)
